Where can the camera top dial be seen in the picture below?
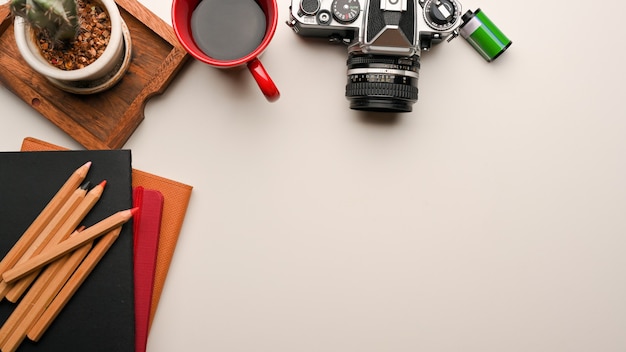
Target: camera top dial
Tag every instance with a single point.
(346, 11)
(441, 14)
(309, 7)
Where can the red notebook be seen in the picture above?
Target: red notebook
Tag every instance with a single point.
(147, 225)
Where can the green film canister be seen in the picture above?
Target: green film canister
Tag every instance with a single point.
(483, 35)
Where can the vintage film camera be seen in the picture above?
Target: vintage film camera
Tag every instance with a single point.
(385, 39)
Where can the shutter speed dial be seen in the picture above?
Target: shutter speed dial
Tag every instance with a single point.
(346, 11)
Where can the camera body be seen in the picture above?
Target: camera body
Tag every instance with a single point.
(385, 39)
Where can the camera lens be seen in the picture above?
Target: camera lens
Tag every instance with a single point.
(382, 83)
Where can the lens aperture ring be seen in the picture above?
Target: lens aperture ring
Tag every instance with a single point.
(388, 62)
(375, 72)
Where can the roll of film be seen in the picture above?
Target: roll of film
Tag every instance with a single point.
(483, 35)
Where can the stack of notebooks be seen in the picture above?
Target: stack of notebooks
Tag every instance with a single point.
(113, 308)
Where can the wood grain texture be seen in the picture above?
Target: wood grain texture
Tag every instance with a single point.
(104, 120)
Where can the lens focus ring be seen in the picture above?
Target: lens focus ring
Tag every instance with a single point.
(361, 89)
(382, 83)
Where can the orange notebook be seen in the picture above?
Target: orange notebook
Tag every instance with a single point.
(176, 200)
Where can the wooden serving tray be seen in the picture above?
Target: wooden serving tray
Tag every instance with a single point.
(103, 120)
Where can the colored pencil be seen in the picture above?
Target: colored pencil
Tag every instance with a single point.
(22, 308)
(59, 276)
(72, 221)
(89, 234)
(44, 217)
(44, 237)
(72, 285)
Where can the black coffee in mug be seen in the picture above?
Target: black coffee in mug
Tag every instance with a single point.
(228, 29)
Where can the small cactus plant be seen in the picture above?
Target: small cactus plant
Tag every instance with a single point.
(56, 17)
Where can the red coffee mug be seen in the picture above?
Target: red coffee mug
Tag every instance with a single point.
(182, 11)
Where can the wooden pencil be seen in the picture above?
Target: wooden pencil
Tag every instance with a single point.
(72, 221)
(44, 237)
(14, 291)
(60, 275)
(27, 238)
(20, 311)
(78, 277)
(89, 234)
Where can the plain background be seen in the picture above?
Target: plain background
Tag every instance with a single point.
(491, 218)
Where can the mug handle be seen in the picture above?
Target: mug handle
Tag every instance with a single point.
(263, 80)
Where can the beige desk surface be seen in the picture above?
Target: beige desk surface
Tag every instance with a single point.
(491, 218)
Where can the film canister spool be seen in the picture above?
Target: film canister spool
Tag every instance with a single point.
(483, 35)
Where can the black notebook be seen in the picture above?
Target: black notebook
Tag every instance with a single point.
(100, 315)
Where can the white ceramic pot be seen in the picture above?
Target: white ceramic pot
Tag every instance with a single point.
(98, 76)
